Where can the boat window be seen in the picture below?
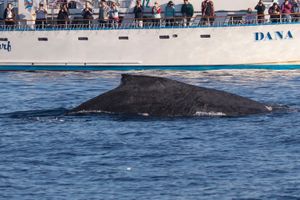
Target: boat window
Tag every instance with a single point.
(3, 39)
(164, 37)
(175, 35)
(83, 38)
(123, 38)
(205, 36)
(42, 39)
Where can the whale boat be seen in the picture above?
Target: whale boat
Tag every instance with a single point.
(228, 41)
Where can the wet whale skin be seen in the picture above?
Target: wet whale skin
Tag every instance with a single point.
(156, 96)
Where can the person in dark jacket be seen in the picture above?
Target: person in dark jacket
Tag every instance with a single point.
(87, 14)
(138, 13)
(274, 12)
(295, 10)
(187, 11)
(63, 15)
(9, 15)
(260, 8)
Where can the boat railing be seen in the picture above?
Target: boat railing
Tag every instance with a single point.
(131, 23)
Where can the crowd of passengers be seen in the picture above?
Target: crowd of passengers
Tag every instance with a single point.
(108, 15)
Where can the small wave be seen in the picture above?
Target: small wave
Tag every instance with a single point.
(86, 112)
(36, 113)
(283, 108)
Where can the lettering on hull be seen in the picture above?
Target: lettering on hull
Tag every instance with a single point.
(276, 35)
(5, 46)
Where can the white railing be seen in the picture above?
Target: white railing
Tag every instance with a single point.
(197, 21)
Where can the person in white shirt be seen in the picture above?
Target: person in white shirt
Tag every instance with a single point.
(114, 15)
(9, 15)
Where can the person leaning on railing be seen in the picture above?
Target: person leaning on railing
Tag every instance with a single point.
(63, 15)
(208, 12)
(104, 13)
(260, 8)
(138, 13)
(187, 11)
(295, 10)
(41, 15)
(286, 10)
(87, 14)
(9, 15)
(249, 18)
(156, 10)
(114, 15)
(170, 14)
(274, 12)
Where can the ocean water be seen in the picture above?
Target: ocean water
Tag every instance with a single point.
(45, 154)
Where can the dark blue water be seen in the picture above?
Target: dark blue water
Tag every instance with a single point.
(47, 155)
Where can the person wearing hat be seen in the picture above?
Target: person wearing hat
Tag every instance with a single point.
(41, 15)
(170, 14)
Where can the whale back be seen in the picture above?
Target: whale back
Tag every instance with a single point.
(158, 96)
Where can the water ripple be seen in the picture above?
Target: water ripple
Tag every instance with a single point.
(46, 154)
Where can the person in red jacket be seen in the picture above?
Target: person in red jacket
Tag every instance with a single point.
(208, 12)
(286, 10)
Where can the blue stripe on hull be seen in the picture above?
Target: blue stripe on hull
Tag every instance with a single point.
(126, 68)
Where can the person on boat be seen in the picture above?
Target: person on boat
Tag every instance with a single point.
(9, 15)
(249, 18)
(87, 14)
(286, 10)
(274, 12)
(187, 11)
(114, 15)
(170, 13)
(138, 13)
(156, 10)
(103, 13)
(295, 10)
(208, 12)
(260, 8)
(41, 15)
(63, 15)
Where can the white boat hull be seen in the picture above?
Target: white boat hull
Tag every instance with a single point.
(195, 46)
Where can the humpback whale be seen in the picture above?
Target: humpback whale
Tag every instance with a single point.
(156, 96)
